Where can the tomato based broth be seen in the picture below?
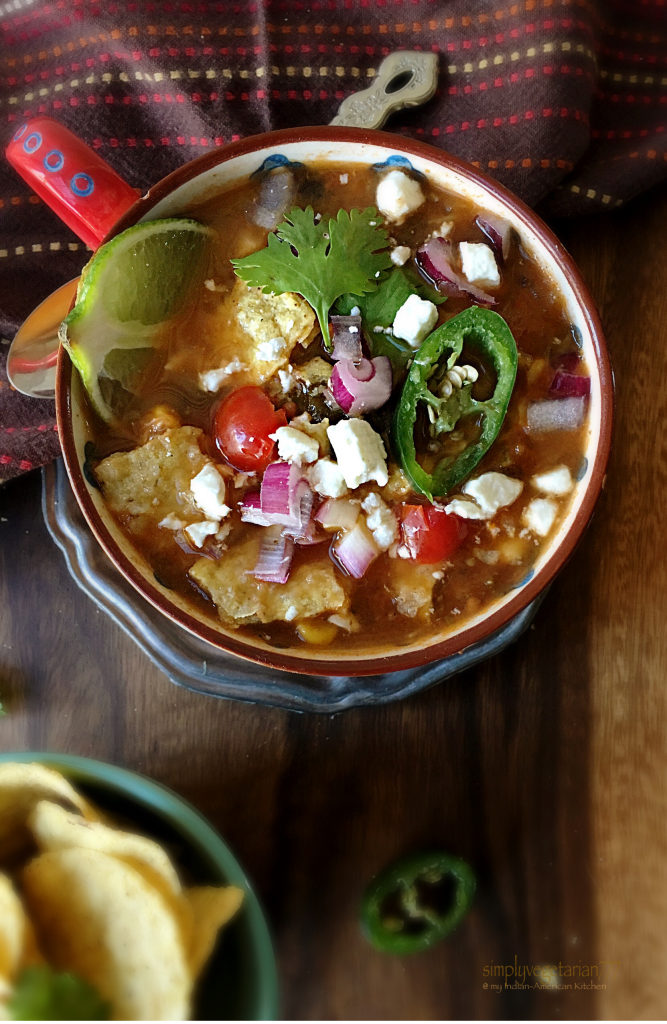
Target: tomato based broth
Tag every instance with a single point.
(417, 600)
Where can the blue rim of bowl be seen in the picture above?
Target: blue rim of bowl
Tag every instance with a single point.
(183, 818)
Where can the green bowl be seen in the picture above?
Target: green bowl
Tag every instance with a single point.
(240, 982)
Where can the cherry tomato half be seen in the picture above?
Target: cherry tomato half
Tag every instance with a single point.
(243, 422)
(429, 534)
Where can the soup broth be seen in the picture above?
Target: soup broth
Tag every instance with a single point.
(423, 575)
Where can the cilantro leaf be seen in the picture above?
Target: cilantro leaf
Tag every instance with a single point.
(42, 994)
(386, 345)
(380, 305)
(424, 289)
(320, 261)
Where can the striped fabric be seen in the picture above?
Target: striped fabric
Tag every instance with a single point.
(564, 101)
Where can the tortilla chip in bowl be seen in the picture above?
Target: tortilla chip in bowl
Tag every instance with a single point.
(133, 898)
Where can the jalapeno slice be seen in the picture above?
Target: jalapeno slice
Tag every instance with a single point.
(491, 334)
(417, 902)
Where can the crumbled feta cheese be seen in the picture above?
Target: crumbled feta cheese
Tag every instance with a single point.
(316, 430)
(492, 491)
(380, 520)
(286, 380)
(465, 509)
(198, 532)
(556, 481)
(348, 622)
(438, 574)
(210, 284)
(343, 179)
(291, 613)
(415, 320)
(295, 446)
(485, 495)
(224, 531)
(479, 263)
(400, 255)
(360, 452)
(327, 479)
(212, 380)
(398, 195)
(488, 557)
(171, 522)
(444, 229)
(271, 349)
(208, 491)
(355, 311)
(242, 479)
(539, 515)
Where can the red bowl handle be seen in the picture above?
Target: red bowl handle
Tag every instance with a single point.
(70, 177)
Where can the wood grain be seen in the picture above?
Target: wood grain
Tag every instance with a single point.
(546, 767)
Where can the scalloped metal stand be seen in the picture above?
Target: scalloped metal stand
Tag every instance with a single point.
(197, 665)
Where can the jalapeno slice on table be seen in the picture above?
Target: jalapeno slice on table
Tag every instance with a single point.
(490, 334)
(417, 902)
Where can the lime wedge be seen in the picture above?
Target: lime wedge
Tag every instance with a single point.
(132, 285)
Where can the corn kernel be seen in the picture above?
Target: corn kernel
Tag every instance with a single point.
(313, 631)
(536, 370)
(513, 550)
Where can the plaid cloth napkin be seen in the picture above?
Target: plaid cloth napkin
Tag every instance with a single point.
(562, 100)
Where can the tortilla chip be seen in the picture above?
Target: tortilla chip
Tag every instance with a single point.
(153, 481)
(22, 786)
(240, 598)
(12, 929)
(98, 917)
(213, 908)
(54, 828)
(57, 829)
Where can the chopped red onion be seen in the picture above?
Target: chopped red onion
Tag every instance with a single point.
(561, 414)
(251, 510)
(338, 514)
(434, 259)
(278, 485)
(347, 338)
(355, 551)
(301, 528)
(570, 385)
(311, 535)
(498, 232)
(569, 361)
(362, 387)
(275, 556)
(286, 498)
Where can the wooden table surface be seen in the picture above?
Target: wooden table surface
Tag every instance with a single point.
(546, 767)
